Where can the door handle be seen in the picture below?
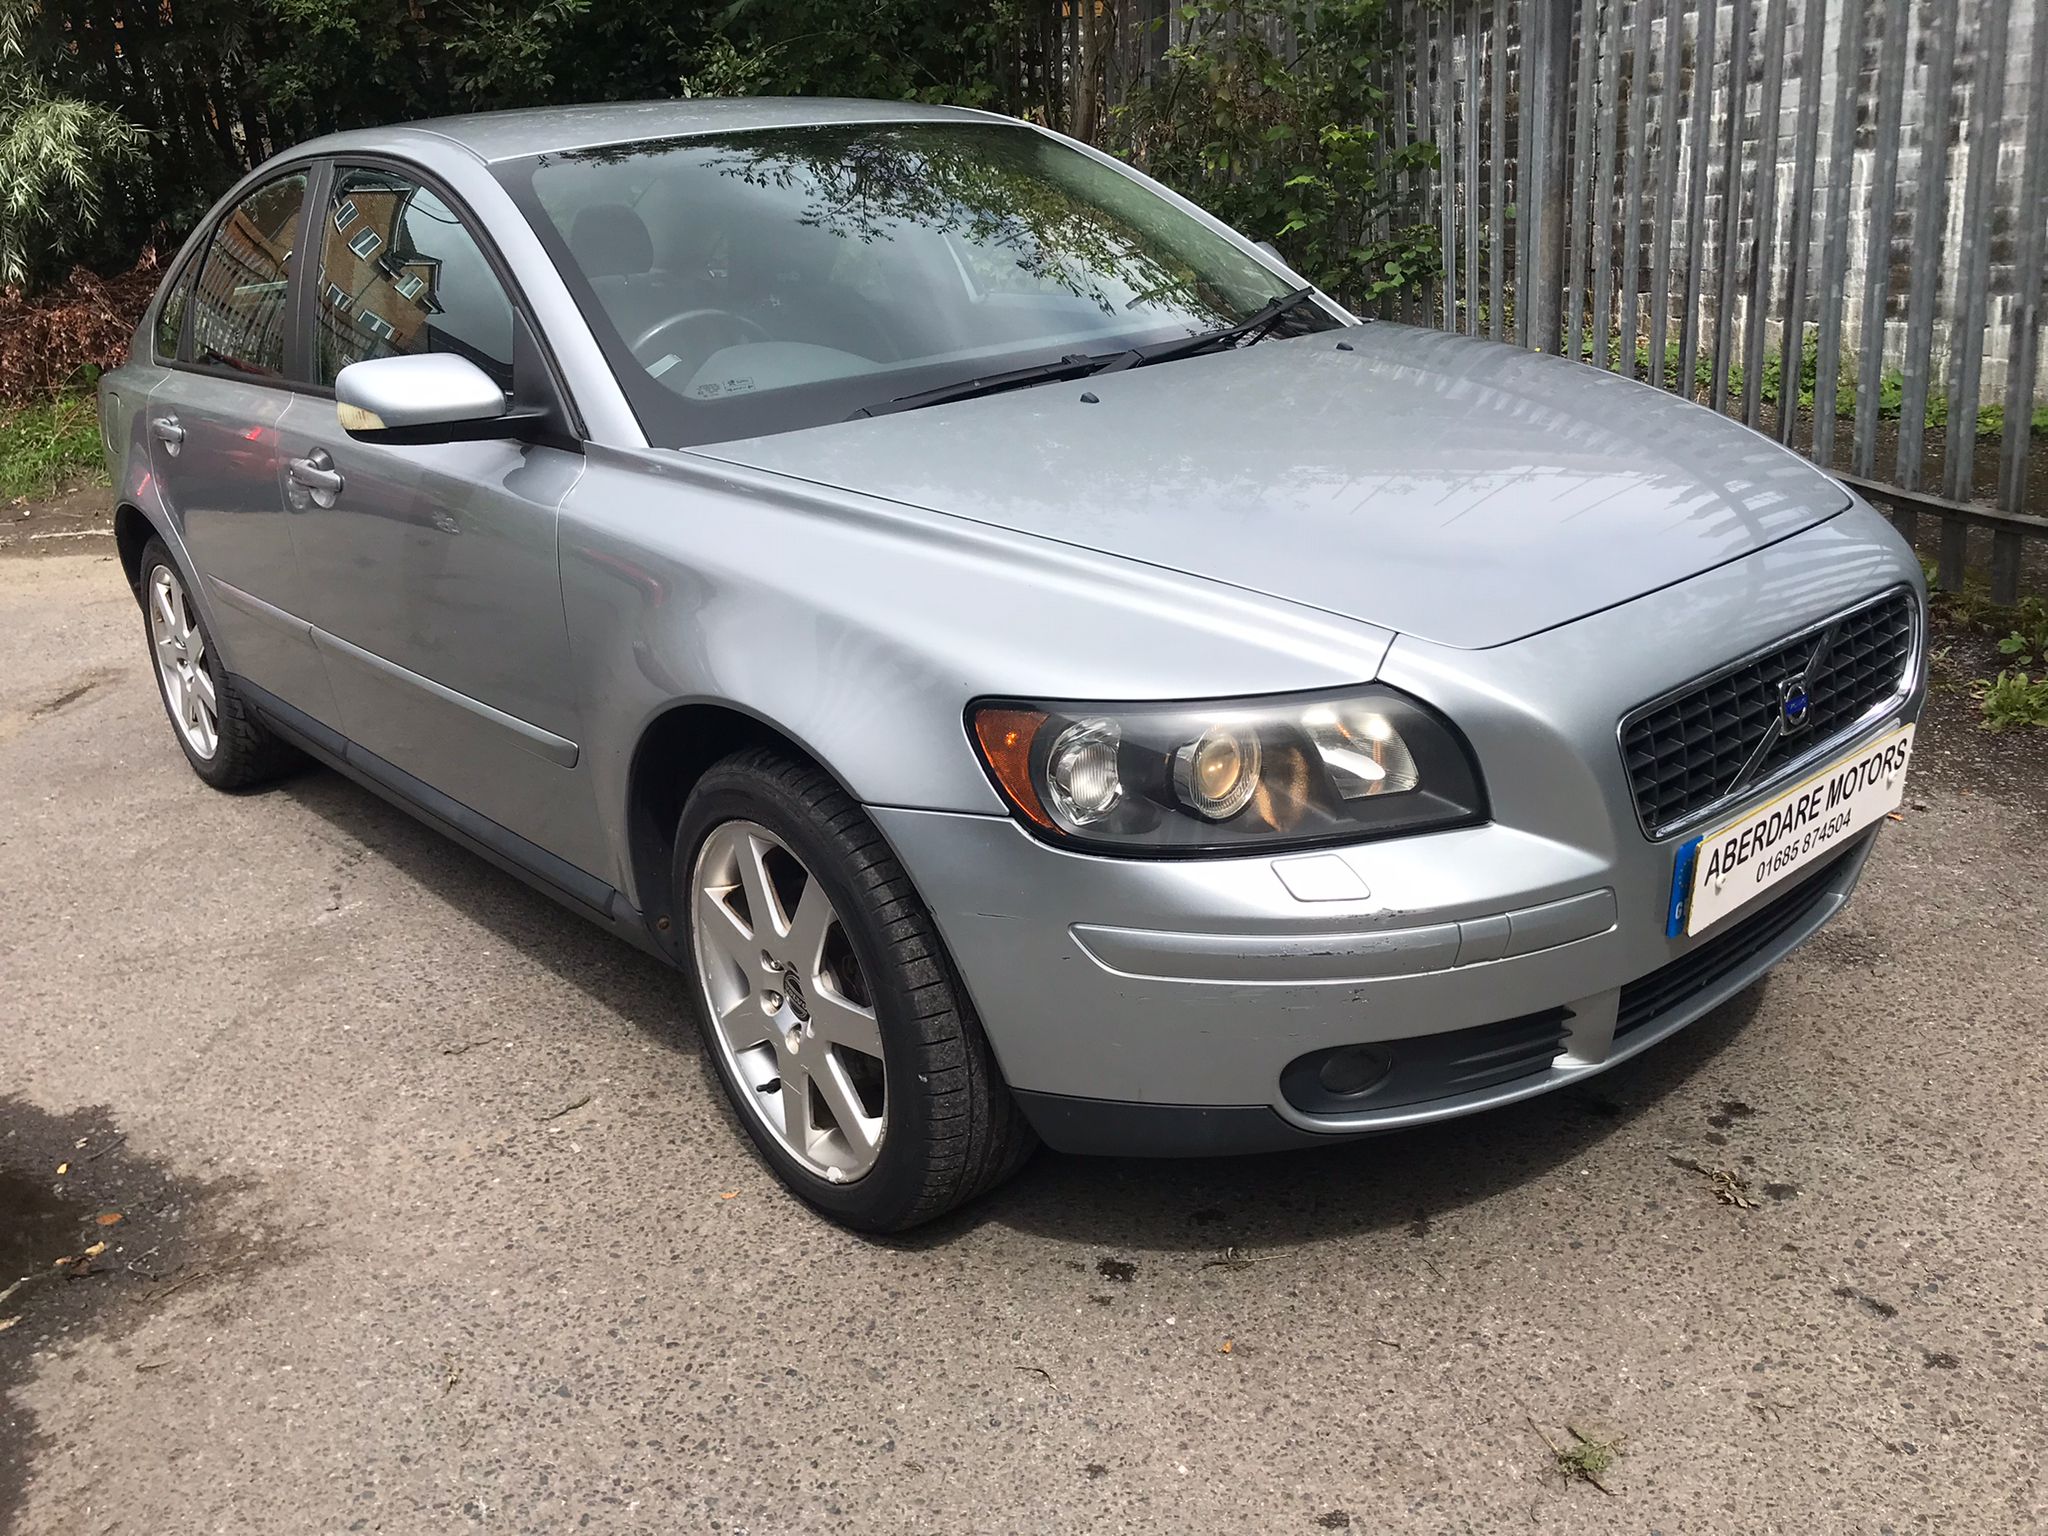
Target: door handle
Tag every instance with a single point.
(169, 433)
(316, 474)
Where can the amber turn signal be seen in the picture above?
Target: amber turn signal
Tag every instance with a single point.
(1005, 736)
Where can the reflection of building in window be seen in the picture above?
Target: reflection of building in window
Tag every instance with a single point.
(378, 290)
(423, 286)
(239, 309)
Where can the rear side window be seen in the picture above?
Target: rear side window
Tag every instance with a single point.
(241, 305)
(400, 274)
(170, 315)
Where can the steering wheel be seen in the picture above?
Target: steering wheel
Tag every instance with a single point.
(645, 344)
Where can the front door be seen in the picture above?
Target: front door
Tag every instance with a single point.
(213, 425)
(431, 576)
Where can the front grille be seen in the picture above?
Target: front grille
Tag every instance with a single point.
(1716, 738)
(1651, 997)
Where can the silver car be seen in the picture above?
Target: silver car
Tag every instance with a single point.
(1037, 668)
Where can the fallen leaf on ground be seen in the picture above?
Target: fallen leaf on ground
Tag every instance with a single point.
(8, 1322)
(728, 1194)
(1225, 1349)
(62, 1169)
(95, 1250)
(108, 1218)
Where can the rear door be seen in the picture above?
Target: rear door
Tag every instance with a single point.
(213, 424)
(431, 574)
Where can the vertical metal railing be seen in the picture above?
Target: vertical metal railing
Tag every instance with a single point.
(1827, 217)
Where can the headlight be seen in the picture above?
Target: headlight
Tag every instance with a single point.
(1230, 775)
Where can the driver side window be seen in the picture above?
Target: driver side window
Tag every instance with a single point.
(399, 274)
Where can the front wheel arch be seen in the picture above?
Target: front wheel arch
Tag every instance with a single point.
(674, 751)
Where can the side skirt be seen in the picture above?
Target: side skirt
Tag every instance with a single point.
(576, 889)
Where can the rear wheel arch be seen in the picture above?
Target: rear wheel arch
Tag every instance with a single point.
(132, 532)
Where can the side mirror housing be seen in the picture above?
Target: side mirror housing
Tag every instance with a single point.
(425, 397)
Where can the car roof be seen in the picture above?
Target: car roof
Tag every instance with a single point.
(494, 136)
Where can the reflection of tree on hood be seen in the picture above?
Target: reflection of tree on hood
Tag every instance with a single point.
(1080, 227)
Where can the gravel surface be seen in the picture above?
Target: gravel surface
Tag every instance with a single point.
(371, 1273)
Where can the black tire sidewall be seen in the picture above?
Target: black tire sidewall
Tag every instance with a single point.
(881, 1197)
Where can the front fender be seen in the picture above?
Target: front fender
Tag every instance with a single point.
(861, 629)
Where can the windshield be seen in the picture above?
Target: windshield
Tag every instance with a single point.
(749, 283)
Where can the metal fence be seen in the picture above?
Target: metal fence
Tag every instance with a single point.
(1825, 216)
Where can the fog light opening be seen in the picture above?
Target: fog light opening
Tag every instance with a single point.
(1353, 1070)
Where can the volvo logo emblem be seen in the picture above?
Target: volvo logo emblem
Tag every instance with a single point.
(1794, 707)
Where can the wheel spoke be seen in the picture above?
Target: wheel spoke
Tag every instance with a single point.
(202, 684)
(762, 905)
(807, 926)
(861, 1132)
(166, 611)
(743, 1025)
(843, 1022)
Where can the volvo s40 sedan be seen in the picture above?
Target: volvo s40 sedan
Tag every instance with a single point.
(1036, 668)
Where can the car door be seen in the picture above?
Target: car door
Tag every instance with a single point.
(431, 574)
(225, 333)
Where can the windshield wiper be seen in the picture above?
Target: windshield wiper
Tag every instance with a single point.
(1075, 365)
(1080, 365)
(1253, 328)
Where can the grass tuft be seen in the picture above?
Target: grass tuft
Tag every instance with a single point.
(48, 445)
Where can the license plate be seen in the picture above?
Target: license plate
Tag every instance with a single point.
(1725, 869)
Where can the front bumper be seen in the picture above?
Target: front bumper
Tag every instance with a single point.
(1110, 1060)
(1156, 1006)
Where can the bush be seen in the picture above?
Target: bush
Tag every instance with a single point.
(1287, 149)
(66, 334)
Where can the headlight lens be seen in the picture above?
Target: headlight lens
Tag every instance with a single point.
(1206, 778)
(1081, 772)
(1217, 774)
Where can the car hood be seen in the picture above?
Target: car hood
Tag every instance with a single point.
(1452, 489)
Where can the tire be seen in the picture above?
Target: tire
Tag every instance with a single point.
(226, 744)
(950, 1129)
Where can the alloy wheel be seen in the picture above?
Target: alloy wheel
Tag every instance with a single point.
(791, 1011)
(181, 662)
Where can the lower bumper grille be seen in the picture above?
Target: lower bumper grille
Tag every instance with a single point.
(1650, 997)
(1425, 1067)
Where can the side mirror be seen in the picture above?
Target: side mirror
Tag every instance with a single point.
(425, 397)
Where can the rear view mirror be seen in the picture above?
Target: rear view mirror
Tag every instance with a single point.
(426, 397)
